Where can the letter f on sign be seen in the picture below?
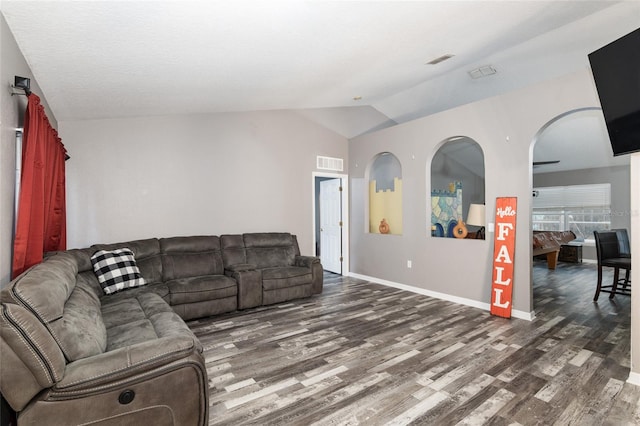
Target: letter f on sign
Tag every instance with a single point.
(503, 230)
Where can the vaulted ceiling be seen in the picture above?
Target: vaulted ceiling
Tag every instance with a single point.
(352, 66)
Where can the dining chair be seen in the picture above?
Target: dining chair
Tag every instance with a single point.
(609, 255)
(625, 249)
(623, 242)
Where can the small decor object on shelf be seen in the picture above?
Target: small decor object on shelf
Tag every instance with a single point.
(384, 227)
(450, 227)
(460, 230)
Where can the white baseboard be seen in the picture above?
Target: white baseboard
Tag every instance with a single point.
(529, 316)
(634, 378)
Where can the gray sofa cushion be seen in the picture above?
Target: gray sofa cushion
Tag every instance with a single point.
(45, 290)
(130, 333)
(270, 249)
(161, 289)
(184, 257)
(197, 289)
(129, 310)
(145, 317)
(283, 277)
(233, 251)
(71, 312)
(81, 332)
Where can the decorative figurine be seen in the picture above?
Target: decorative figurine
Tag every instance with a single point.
(384, 227)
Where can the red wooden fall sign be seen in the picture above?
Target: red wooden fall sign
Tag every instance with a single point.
(504, 249)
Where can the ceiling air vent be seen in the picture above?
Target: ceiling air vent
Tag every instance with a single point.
(440, 59)
(329, 163)
(483, 71)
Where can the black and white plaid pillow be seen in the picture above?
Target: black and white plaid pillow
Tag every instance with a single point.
(116, 270)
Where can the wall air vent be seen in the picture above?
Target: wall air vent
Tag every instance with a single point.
(329, 163)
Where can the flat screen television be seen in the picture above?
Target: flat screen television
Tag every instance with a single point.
(616, 72)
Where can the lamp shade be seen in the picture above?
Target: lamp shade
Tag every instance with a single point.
(476, 215)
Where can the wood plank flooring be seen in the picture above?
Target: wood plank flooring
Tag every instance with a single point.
(363, 353)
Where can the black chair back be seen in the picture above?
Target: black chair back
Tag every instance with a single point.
(623, 242)
(607, 246)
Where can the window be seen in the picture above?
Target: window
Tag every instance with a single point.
(578, 208)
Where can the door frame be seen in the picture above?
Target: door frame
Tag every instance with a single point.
(345, 215)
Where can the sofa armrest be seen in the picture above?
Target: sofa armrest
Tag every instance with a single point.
(249, 281)
(165, 383)
(239, 267)
(306, 261)
(113, 367)
(317, 273)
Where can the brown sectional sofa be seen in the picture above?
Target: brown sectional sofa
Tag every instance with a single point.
(73, 355)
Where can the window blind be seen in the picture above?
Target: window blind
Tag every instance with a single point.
(593, 195)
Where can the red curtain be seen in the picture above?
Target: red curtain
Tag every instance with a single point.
(41, 225)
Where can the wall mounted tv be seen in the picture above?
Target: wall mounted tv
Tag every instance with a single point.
(616, 72)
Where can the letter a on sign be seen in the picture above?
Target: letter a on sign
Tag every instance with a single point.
(504, 248)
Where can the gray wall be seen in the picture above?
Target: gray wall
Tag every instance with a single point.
(12, 109)
(618, 177)
(505, 127)
(222, 173)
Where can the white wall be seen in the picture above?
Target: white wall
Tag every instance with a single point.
(505, 127)
(210, 174)
(12, 110)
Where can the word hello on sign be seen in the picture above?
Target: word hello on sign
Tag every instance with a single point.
(503, 256)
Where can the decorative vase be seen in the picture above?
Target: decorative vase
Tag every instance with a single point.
(384, 227)
(460, 230)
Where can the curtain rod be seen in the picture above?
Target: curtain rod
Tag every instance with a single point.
(22, 83)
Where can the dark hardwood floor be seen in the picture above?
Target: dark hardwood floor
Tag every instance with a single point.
(363, 353)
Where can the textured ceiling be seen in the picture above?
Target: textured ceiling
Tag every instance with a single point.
(103, 59)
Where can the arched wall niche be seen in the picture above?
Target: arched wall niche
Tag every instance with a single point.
(384, 174)
(457, 188)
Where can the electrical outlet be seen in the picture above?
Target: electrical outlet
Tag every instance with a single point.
(409, 264)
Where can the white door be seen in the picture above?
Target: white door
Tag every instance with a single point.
(331, 225)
